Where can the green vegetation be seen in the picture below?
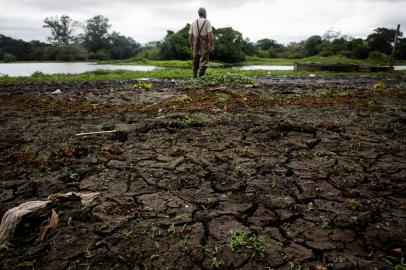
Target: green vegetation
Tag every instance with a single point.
(239, 241)
(4, 248)
(274, 96)
(126, 234)
(216, 262)
(142, 85)
(379, 86)
(183, 242)
(172, 229)
(96, 42)
(226, 78)
(218, 75)
(223, 97)
(315, 59)
(249, 60)
(332, 93)
(195, 119)
(184, 98)
(309, 207)
(401, 265)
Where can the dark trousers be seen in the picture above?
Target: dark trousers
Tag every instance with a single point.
(200, 64)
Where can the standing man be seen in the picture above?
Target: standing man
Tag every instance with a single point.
(201, 41)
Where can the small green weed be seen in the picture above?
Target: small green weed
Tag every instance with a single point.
(193, 119)
(223, 97)
(184, 98)
(401, 265)
(324, 222)
(331, 93)
(4, 248)
(309, 207)
(138, 85)
(352, 204)
(379, 86)
(274, 96)
(172, 229)
(126, 234)
(183, 242)
(238, 241)
(216, 262)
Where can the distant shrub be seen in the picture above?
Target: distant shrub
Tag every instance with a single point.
(151, 54)
(266, 54)
(378, 57)
(361, 52)
(37, 74)
(348, 54)
(100, 55)
(73, 52)
(326, 53)
(295, 56)
(8, 57)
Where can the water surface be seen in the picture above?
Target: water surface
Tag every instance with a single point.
(27, 69)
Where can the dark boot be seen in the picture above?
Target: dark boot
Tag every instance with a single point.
(202, 71)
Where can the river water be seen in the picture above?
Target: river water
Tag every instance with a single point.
(27, 69)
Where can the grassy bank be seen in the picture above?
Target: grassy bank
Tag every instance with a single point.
(314, 59)
(249, 61)
(126, 75)
(160, 74)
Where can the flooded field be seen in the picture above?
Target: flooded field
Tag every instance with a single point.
(27, 69)
(287, 173)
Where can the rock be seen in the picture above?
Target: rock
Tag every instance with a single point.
(321, 245)
(57, 92)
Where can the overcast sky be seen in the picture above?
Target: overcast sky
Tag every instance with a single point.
(148, 20)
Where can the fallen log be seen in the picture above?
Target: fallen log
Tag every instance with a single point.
(14, 215)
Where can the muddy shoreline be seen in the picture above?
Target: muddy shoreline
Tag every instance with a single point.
(287, 173)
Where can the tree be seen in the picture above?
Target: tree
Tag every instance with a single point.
(401, 49)
(72, 52)
(122, 47)
(96, 33)
(359, 47)
(176, 45)
(228, 45)
(312, 45)
(249, 47)
(61, 29)
(268, 44)
(381, 40)
(8, 57)
(331, 35)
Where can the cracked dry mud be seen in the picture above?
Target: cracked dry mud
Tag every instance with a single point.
(319, 175)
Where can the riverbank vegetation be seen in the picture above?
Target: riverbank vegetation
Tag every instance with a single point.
(167, 73)
(92, 39)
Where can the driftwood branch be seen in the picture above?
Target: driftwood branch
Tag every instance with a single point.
(96, 132)
(14, 215)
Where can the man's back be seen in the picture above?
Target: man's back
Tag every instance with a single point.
(198, 24)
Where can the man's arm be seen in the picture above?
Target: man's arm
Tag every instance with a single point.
(191, 40)
(210, 37)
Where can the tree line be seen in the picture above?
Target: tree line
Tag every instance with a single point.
(96, 42)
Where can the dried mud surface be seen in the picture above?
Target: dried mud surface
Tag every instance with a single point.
(314, 176)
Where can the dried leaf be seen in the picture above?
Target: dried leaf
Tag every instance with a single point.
(53, 223)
